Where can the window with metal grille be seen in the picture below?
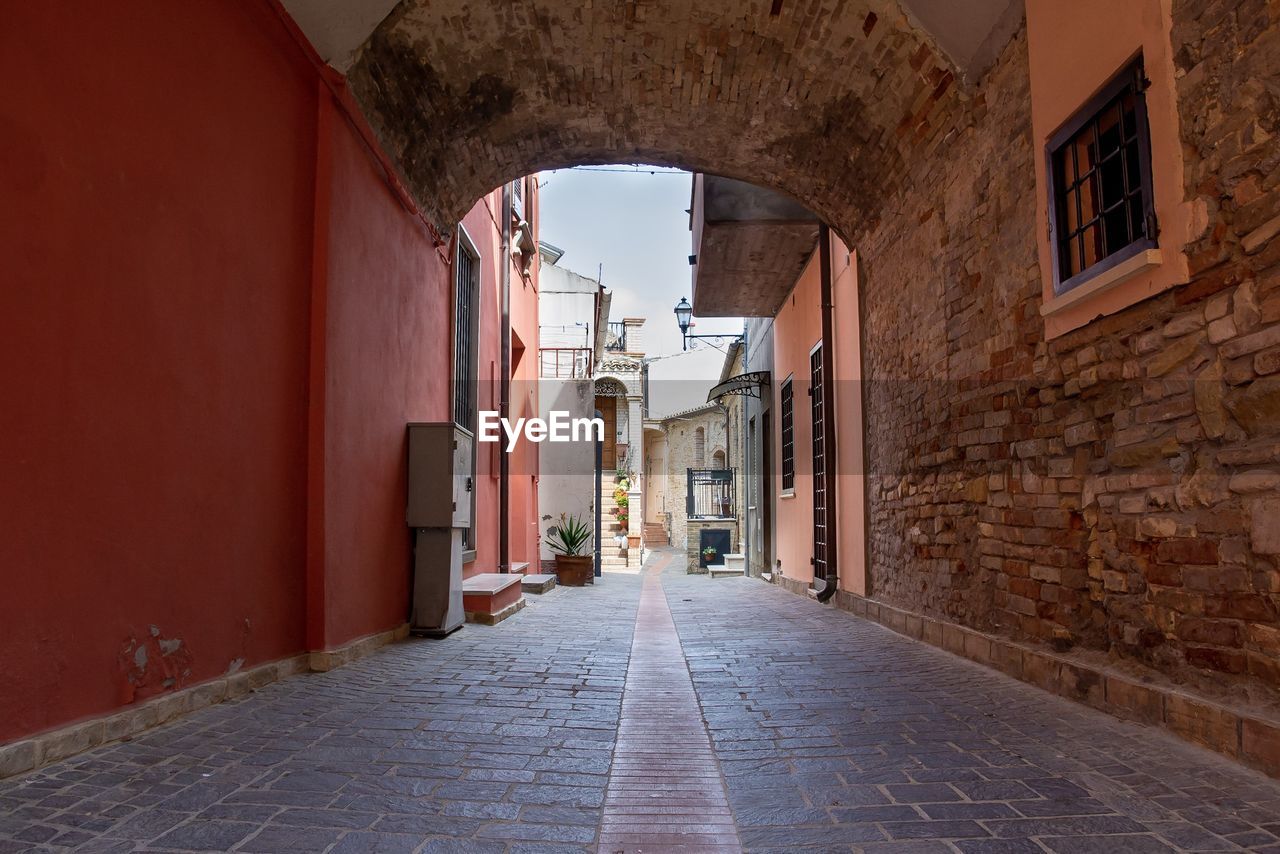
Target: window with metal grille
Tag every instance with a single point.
(1100, 187)
(466, 379)
(465, 375)
(788, 437)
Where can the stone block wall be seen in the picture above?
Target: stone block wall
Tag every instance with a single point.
(1118, 488)
(693, 539)
(682, 456)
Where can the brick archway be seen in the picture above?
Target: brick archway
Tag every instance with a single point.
(828, 101)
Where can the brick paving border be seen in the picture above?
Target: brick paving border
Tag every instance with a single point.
(665, 789)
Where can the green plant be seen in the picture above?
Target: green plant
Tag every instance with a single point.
(570, 536)
(709, 552)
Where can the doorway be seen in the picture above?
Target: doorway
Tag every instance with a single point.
(820, 496)
(608, 409)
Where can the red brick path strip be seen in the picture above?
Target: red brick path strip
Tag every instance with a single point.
(665, 790)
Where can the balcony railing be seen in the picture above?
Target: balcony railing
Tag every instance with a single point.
(564, 363)
(710, 494)
(616, 337)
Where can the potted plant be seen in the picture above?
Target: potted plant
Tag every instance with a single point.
(569, 540)
(708, 555)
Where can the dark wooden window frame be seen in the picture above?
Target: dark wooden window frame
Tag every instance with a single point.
(1131, 78)
(465, 403)
(787, 435)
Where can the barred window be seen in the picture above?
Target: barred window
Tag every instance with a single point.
(1101, 183)
(465, 311)
(466, 377)
(788, 437)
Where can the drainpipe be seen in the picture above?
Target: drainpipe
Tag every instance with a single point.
(828, 412)
(504, 393)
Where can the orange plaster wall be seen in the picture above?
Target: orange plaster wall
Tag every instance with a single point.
(1071, 58)
(850, 465)
(797, 328)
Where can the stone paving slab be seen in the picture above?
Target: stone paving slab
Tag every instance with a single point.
(495, 739)
(836, 734)
(825, 733)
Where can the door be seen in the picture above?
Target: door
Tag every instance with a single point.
(608, 409)
(766, 492)
(820, 495)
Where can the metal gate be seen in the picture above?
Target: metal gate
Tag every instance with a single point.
(819, 464)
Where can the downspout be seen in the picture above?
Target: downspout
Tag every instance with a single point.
(828, 413)
(504, 393)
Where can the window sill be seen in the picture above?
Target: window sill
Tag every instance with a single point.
(469, 556)
(787, 493)
(1140, 262)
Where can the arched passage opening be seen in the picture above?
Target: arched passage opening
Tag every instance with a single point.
(917, 143)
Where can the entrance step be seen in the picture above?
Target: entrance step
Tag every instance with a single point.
(522, 567)
(720, 570)
(491, 597)
(734, 561)
(538, 583)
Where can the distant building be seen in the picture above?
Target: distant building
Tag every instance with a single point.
(591, 367)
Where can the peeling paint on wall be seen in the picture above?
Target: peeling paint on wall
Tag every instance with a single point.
(153, 664)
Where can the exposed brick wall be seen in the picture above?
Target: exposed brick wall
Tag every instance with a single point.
(1115, 489)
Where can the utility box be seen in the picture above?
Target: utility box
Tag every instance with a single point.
(438, 509)
(439, 476)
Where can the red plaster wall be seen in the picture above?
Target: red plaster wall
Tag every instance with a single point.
(154, 297)
(481, 224)
(389, 297)
(215, 321)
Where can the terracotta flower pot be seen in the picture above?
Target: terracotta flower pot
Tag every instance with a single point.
(575, 570)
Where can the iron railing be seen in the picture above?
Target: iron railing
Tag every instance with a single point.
(564, 363)
(616, 337)
(710, 494)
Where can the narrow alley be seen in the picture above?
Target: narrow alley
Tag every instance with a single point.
(815, 729)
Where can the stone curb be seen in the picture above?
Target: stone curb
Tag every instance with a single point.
(21, 756)
(1245, 738)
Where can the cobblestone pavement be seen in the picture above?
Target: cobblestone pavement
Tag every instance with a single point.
(836, 734)
(832, 734)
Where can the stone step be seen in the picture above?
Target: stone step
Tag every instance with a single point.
(522, 567)
(719, 570)
(734, 561)
(539, 583)
(490, 597)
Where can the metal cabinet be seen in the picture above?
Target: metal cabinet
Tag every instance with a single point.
(438, 509)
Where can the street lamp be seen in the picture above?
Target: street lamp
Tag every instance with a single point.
(684, 319)
(684, 313)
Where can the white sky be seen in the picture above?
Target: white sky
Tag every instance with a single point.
(635, 225)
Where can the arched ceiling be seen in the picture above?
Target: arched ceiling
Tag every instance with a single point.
(830, 101)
